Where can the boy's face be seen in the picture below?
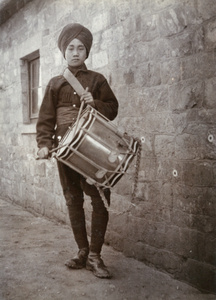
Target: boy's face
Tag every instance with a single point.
(75, 53)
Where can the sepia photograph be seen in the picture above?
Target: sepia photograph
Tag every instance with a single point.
(108, 149)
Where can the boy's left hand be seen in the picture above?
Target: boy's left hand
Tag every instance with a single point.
(87, 98)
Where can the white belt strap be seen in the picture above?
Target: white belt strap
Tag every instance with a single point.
(74, 82)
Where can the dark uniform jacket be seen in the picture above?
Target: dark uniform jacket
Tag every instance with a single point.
(59, 93)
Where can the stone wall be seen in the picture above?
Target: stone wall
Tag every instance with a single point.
(159, 57)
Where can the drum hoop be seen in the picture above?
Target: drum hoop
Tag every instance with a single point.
(75, 169)
(106, 122)
(125, 163)
(68, 146)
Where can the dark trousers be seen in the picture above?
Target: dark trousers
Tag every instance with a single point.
(73, 185)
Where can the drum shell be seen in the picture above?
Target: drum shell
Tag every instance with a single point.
(101, 153)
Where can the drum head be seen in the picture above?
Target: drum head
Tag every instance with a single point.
(69, 136)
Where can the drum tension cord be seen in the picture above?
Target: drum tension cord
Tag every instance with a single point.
(137, 166)
(136, 175)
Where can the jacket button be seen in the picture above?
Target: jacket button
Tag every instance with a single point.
(74, 105)
(74, 93)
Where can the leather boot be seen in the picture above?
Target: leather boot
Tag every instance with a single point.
(77, 220)
(79, 261)
(95, 264)
(98, 229)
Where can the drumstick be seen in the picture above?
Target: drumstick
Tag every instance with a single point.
(77, 120)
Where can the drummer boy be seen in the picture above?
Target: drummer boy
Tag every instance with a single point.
(58, 111)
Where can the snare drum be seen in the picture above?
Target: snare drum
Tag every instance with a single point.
(97, 150)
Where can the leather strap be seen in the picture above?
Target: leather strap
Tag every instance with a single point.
(74, 82)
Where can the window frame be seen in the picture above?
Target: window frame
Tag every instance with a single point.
(32, 74)
(25, 63)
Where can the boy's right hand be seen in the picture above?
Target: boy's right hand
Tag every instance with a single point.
(87, 97)
(43, 153)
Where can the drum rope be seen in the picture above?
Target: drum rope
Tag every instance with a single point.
(101, 192)
(137, 166)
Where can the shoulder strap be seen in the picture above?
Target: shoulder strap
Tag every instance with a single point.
(74, 82)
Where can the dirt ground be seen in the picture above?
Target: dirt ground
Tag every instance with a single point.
(32, 255)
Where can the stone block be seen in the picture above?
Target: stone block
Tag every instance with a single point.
(117, 221)
(189, 67)
(123, 11)
(199, 274)
(180, 45)
(130, 28)
(167, 195)
(206, 9)
(112, 16)
(147, 169)
(186, 95)
(148, 27)
(206, 65)
(210, 34)
(168, 261)
(158, 5)
(183, 242)
(207, 200)
(206, 116)
(173, 239)
(105, 39)
(116, 239)
(135, 229)
(195, 200)
(38, 169)
(197, 40)
(100, 21)
(140, 54)
(172, 21)
(51, 168)
(147, 141)
(100, 59)
(210, 92)
(160, 258)
(164, 146)
(150, 191)
(169, 170)
(170, 71)
(143, 209)
(204, 224)
(124, 185)
(119, 203)
(208, 255)
(155, 122)
(162, 49)
(208, 143)
(28, 194)
(163, 214)
(187, 147)
(129, 77)
(198, 174)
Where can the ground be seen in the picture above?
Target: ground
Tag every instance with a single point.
(32, 255)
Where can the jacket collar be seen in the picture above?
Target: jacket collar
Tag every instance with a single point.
(75, 71)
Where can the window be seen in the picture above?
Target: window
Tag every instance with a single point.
(35, 92)
(31, 86)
